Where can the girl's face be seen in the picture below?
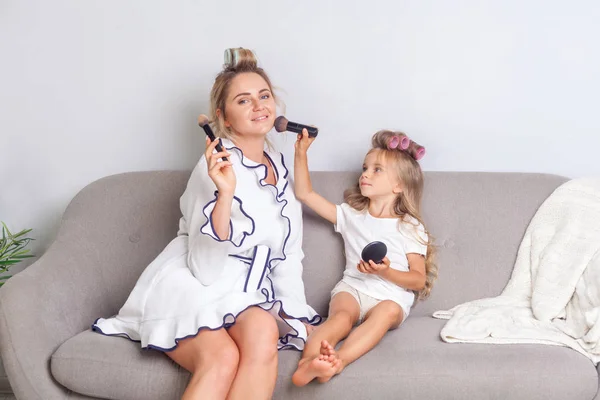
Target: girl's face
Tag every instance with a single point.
(250, 106)
(379, 178)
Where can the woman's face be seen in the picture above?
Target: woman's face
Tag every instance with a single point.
(250, 107)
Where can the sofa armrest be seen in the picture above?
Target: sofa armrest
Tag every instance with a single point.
(33, 326)
(598, 393)
(109, 233)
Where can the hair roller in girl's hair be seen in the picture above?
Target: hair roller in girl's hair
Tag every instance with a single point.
(416, 150)
(403, 141)
(397, 140)
(388, 137)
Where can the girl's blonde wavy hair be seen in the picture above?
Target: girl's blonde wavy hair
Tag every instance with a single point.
(408, 202)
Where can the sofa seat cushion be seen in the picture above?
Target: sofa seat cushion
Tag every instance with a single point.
(111, 367)
(411, 362)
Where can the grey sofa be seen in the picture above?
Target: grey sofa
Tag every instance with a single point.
(114, 227)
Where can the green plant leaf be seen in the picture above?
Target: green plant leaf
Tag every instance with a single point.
(5, 277)
(7, 230)
(23, 256)
(23, 232)
(8, 262)
(13, 248)
(19, 252)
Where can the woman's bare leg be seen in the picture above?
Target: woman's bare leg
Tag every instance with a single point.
(212, 359)
(256, 333)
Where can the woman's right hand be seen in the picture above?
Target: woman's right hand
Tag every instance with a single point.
(221, 172)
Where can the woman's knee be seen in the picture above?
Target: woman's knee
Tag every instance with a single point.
(223, 355)
(207, 350)
(216, 349)
(256, 335)
(259, 325)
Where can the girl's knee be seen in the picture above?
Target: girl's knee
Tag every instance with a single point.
(390, 310)
(344, 317)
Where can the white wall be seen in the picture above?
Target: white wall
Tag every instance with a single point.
(92, 88)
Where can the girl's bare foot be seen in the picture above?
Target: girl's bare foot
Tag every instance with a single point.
(327, 349)
(328, 353)
(319, 367)
(336, 366)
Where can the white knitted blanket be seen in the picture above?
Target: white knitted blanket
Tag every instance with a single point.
(553, 296)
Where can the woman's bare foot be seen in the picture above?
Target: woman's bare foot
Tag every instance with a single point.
(319, 367)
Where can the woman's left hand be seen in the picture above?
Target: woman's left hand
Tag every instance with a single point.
(372, 268)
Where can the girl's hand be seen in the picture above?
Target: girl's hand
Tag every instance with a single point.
(303, 142)
(372, 268)
(221, 172)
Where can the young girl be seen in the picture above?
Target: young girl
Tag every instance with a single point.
(383, 206)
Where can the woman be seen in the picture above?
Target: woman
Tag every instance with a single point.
(227, 292)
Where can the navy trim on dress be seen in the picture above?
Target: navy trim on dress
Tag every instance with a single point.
(210, 221)
(265, 292)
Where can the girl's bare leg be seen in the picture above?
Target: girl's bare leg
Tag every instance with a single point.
(380, 319)
(344, 313)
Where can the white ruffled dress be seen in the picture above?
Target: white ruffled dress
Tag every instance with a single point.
(201, 282)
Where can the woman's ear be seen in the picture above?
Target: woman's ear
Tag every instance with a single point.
(220, 115)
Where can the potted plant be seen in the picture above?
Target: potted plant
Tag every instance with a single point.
(12, 250)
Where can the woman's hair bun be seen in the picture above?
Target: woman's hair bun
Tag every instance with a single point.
(240, 58)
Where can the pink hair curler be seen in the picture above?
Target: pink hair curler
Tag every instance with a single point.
(403, 141)
(416, 150)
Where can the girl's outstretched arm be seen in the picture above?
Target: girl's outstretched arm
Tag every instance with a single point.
(303, 186)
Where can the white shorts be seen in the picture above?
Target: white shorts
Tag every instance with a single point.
(365, 302)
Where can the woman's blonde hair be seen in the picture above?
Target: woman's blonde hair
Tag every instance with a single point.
(408, 201)
(237, 61)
